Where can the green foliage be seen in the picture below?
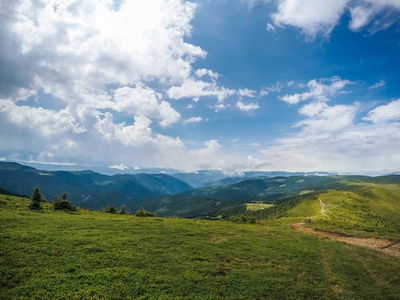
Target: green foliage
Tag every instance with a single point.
(144, 213)
(110, 209)
(55, 255)
(243, 219)
(63, 203)
(123, 211)
(36, 199)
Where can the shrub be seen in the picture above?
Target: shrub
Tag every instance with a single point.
(242, 219)
(110, 209)
(123, 211)
(144, 213)
(63, 204)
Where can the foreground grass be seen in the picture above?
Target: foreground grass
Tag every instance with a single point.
(93, 255)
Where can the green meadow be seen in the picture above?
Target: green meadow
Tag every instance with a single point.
(94, 255)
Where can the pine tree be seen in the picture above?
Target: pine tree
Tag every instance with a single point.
(36, 199)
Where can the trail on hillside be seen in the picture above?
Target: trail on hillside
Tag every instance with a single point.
(322, 207)
(385, 246)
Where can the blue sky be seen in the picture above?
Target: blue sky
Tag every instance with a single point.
(229, 85)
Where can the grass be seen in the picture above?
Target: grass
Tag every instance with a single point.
(257, 206)
(93, 255)
(373, 210)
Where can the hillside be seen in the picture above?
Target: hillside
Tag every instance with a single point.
(93, 255)
(366, 209)
(87, 188)
(185, 206)
(271, 189)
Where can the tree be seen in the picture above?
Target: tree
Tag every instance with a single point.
(36, 199)
(144, 213)
(63, 203)
(110, 209)
(123, 210)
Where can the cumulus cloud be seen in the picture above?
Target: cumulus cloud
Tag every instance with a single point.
(97, 62)
(385, 113)
(330, 140)
(247, 107)
(319, 90)
(312, 17)
(196, 88)
(142, 100)
(315, 18)
(192, 120)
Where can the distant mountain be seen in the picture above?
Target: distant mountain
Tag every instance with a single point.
(87, 188)
(198, 179)
(271, 189)
(206, 178)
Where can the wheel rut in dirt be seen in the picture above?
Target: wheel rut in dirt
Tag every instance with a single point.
(384, 246)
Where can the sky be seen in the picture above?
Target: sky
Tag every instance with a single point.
(238, 85)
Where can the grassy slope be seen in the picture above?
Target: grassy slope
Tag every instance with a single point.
(372, 210)
(93, 255)
(365, 209)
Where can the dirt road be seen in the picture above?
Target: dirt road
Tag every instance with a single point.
(385, 246)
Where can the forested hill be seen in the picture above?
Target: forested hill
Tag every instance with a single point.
(87, 188)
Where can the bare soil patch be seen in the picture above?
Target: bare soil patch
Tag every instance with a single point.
(388, 247)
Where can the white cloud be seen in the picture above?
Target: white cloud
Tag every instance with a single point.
(44, 122)
(277, 87)
(312, 17)
(270, 28)
(247, 107)
(379, 84)
(360, 17)
(385, 113)
(192, 120)
(142, 100)
(318, 90)
(203, 72)
(254, 144)
(94, 61)
(197, 88)
(315, 18)
(120, 167)
(329, 140)
(247, 93)
(375, 15)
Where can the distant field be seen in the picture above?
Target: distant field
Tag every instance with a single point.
(94, 255)
(257, 206)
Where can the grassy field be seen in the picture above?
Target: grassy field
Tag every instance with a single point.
(373, 210)
(93, 255)
(257, 205)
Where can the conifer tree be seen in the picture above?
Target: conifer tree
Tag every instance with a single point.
(36, 199)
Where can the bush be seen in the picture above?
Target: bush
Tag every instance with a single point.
(63, 204)
(243, 219)
(110, 209)
(144, 213)
(123, 211)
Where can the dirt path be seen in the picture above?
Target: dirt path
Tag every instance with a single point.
(322, 207)
(385, 246)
